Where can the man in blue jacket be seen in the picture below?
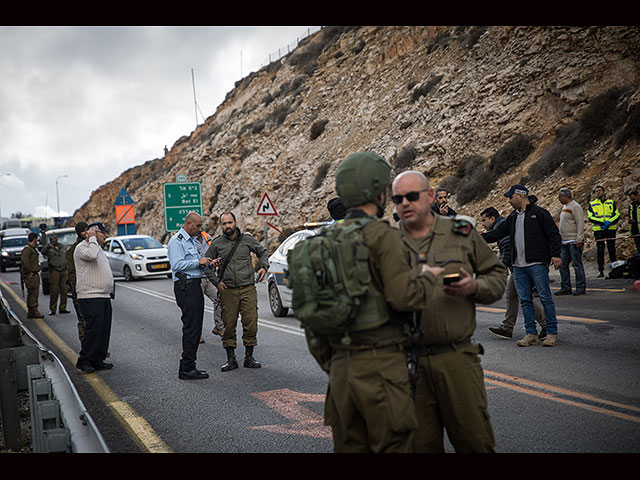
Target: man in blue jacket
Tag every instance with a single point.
(535, 241)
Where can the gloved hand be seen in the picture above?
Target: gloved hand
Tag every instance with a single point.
(606, 224)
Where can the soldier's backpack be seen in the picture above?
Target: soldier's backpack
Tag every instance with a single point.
(330, 281)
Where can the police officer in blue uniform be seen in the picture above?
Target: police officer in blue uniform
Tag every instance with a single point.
(188, 267)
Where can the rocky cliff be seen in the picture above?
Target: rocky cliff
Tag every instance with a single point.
(474, 108)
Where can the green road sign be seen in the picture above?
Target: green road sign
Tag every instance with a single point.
(180, 199)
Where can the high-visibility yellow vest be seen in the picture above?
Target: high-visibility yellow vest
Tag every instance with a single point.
(599, 212)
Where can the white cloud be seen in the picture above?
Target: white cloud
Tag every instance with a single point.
(91, 102)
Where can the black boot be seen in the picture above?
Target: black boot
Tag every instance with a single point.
(231, 360)
(249, 361)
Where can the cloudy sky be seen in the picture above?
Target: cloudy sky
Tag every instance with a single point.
(79, 105)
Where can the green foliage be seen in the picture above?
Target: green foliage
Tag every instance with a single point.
(471, 181)
(322, 173)
(512, 154)
(604, 116)
(317, 128)
(424, 89)
(404, 159)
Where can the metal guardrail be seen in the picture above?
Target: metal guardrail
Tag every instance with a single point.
(60, 423)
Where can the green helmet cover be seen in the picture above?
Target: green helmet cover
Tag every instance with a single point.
(361, 177)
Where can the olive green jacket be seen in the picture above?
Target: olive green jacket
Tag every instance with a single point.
(448, 318)
(404, 289)
(56, 256)
(240, 271)
(71, 265)
(29, 262)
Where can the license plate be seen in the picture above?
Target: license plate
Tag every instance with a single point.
(159, 266)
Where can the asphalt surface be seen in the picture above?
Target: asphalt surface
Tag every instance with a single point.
(581, 396)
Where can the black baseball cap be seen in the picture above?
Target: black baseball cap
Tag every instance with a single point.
(518, 188)
(100, 226)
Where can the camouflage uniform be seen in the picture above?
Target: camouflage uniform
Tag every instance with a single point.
(71, 279)
(368, 403)
(29, 270)
(58, 274)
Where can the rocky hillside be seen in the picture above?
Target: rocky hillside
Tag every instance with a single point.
(474, 108)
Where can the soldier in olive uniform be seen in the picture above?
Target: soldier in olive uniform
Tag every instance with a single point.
(450, 389)
(29, 271)
(368, 403)
(58, 274)
(236, 284)
(81, 231)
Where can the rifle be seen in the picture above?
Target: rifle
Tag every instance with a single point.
(414, 340)
(22, 283)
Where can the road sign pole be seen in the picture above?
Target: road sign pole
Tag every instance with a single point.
(266, 235)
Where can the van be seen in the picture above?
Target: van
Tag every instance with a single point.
(9, 223)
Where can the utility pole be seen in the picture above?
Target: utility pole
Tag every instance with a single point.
(195, 103)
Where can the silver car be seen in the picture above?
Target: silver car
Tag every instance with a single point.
(136, 256)
(279, 293)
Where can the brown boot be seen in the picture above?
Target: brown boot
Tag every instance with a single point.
(34, 313)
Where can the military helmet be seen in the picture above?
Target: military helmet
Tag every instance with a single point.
(361, 177)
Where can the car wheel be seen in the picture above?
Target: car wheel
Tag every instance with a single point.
(2, 267)
(128, 276)
(275, 303)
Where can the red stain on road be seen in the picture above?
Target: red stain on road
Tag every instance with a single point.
(288, 404)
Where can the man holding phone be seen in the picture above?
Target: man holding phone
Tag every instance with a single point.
(450, 391)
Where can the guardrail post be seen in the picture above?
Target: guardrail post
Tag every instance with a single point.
(9, 401)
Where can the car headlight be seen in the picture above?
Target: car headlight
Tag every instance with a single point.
(5, 254)
(136, 256)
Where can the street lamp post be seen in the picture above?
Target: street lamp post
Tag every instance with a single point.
(57, 196)
(3, 175)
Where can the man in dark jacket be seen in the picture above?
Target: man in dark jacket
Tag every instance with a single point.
(491, 220)
(535, 241)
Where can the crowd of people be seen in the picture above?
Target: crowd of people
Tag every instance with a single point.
(371, 403)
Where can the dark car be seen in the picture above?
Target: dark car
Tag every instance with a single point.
(11, 251)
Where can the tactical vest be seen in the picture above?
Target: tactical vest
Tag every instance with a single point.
(603, 211)
(331, 284)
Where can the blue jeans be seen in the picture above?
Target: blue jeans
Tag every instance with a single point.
(525, 279)
(569, 253)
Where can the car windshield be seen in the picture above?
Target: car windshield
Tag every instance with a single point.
(142, 243)
(67, 238)
(14, 241)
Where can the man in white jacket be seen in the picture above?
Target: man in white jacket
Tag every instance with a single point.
(571, 228)
(95, 288)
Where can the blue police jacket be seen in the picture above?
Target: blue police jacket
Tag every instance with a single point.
(184, 256)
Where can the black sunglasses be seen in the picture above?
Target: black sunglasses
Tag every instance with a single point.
(411, 197)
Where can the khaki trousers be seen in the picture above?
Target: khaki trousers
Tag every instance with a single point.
(32, 284)
(210, 291)
(58, 286)
(368, 404)
(450, 394)
(243, 301)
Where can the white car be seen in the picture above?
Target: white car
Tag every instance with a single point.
(136, 256)
(279, 293)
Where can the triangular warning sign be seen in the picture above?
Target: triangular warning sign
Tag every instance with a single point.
(266, 206)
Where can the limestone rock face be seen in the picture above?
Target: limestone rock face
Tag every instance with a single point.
(426, 98)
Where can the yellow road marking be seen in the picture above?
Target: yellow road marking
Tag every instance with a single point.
(559, 317)
(550, 392)
(138, 428)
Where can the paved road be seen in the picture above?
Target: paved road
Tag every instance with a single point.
(582, 396)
